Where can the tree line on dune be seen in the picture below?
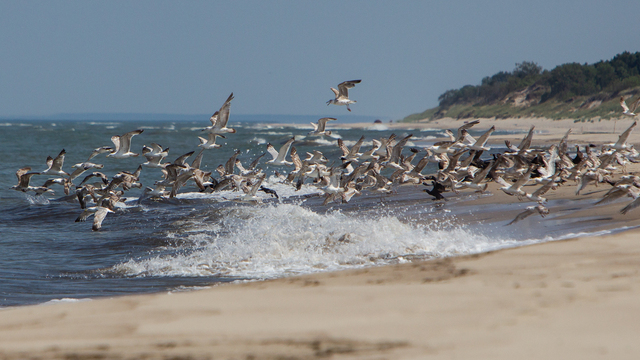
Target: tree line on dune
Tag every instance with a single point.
(603, 80)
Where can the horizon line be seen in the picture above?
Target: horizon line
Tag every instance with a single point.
(132, 116)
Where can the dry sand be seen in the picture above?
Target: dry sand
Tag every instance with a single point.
(574, 299)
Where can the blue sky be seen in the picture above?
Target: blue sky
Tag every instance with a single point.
(281, 57)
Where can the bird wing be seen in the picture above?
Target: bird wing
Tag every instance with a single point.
(467, 126)
(214, 119)
(635, 104)
(125, 140)
(256, 186)
(101, 150)
(322, 123)
(625, 108)
(58, 161)
(523, 215)
(198, 160)
(285, 149)
(254, 163)
(502, 182)
(544, 188)
(181, 160)
(343, 147)
(632, 205)
(484, 137)
(229, 166)
(297, 164)
(101, 213)
(345, 86)
(115, 139)
(272, 151)
(355, 148)
(526, 141)
(623, 137)
(397, 149)
(223, 113)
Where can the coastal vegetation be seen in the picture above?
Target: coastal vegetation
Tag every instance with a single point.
(574, 91)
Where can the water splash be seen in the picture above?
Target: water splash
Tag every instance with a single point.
(280, 239)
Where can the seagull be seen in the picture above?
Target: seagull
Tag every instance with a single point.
(220, 118)
(279, 156)
(55, 165)
(525, 144)
(250, 194)
(515, 188)
(466, 126)
(482, 140)
(210, 142)
(100, 150)
(537, 195)
(319, 128)
(350, 154)
(80, 168)
(65, 182)
(154, 154)
(530, 210)
(99, 213)
(123, 145)
(342, 95)
(24, 176)
(371, 154)
(622, 139)
(625, 108)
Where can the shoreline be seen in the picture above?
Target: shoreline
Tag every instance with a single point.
(573, 298)
(569, 298)
(547, 130)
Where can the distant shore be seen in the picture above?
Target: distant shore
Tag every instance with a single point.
(565, 299)
(547, 130)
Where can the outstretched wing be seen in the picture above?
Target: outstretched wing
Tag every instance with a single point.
(344, 87)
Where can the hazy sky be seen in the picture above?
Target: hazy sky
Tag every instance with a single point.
(281, 57)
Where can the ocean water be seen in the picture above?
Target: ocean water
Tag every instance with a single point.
(198, 239)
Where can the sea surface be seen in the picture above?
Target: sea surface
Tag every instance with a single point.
(198, 240)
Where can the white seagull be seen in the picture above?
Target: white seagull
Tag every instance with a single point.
(55, 165)
(625, 108)
(278, 156)
(220, 118)
(123, 145)
(319, 128)
(342, 95)
(98, 212)
(210, 143)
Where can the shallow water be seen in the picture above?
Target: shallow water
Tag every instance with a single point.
(200, 239)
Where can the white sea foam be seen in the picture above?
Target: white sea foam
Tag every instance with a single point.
(64, 300)
(277, 240)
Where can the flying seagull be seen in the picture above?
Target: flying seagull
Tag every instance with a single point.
(123, 145)
(220, 118)
(342, 94)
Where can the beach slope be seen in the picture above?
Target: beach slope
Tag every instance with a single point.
(565, 299)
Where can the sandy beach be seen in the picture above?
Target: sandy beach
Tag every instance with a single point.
(576, 298)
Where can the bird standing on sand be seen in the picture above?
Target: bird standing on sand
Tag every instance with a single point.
(342, 94)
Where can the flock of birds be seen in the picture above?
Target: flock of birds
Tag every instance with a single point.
(378, 169)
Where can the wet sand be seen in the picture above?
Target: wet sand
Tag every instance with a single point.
(576, 298)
